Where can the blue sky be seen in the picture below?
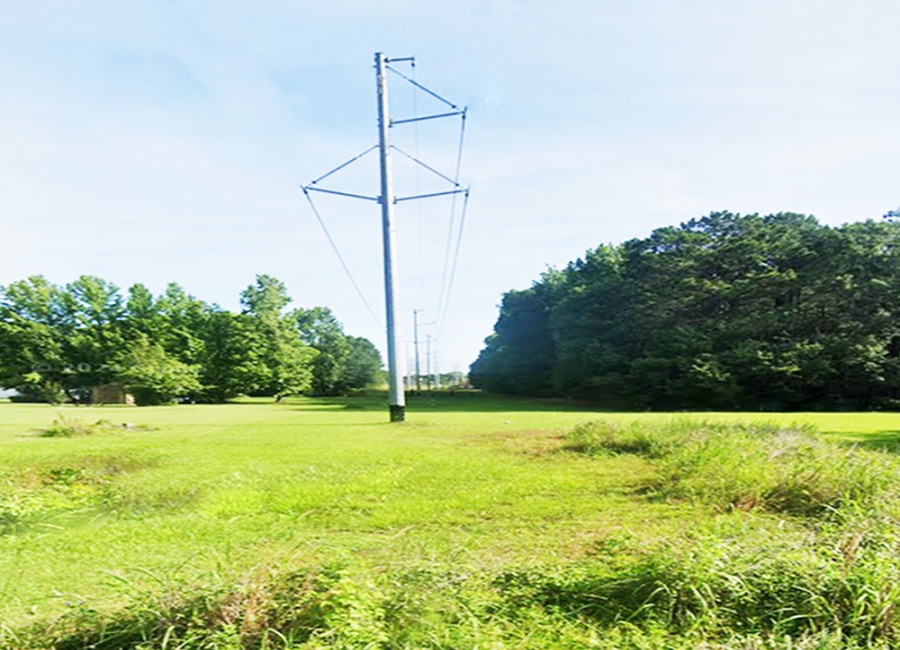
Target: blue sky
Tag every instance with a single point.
(157, 141)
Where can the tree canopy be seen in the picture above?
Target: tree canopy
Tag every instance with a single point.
(58, 342)
(724, 312)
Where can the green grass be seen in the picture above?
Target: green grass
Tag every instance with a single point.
(479, 522)
(748, 466)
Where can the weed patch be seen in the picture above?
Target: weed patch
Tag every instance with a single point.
(329, 607)
(745, 591)
(747, 466)
(66, 426)
(791, 585)
(40, 495)
(31, 496)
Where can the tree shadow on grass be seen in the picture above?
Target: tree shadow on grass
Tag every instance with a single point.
(887, 440)
(441, 402)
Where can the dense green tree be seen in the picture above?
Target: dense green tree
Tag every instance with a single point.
(224, 349)
(343, 362)
(32, 354)
(275, 361)
(322, 331)
(59, 342)
(94, 338)
(363, 364)
(31, 359)
(181, 317)
(727, 311)
(591, 298)
(59, 339)
(519, 355)
(154, 376)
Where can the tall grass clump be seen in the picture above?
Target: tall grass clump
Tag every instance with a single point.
(598, 437)
(50, 493)
(831, 569)
(38, 495)
(275, 608)
(713, 583)
(757, 466)
(709, 589)
(64, 426)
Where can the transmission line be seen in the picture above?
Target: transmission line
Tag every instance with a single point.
(339, 256)
(415, 157)
(444, 295)
(462, 223)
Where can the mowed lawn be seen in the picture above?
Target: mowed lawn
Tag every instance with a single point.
(188, 494)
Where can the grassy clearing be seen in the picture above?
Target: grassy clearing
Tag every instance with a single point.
(478, 523)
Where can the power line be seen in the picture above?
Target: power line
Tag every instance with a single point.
(342, 165)
(448, 272)
(339, 256)
(421, 87)
(421, 246)
(444, 295)
(462, 223)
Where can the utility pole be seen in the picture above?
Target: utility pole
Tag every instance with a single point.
(407, 378)
(428, 362)
(396, 396)
(416, 348)
(437, 369)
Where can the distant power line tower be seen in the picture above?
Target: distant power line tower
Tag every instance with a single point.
(387, 200)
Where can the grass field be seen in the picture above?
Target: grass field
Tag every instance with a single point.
(477, 523)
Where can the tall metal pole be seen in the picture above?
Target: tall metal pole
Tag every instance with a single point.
(428, 361)
(416, 348)
(396, 396)
(407, 378)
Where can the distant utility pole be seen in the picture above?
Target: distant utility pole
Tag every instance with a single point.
(407, 378)
(416, 348)
(428, 362)
(437, 369)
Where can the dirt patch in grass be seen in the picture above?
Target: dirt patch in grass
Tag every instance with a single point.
(528, 442)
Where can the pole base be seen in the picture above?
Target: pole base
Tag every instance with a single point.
(398, 413)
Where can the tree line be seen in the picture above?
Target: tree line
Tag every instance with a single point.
(59, 342)
(774, 312)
